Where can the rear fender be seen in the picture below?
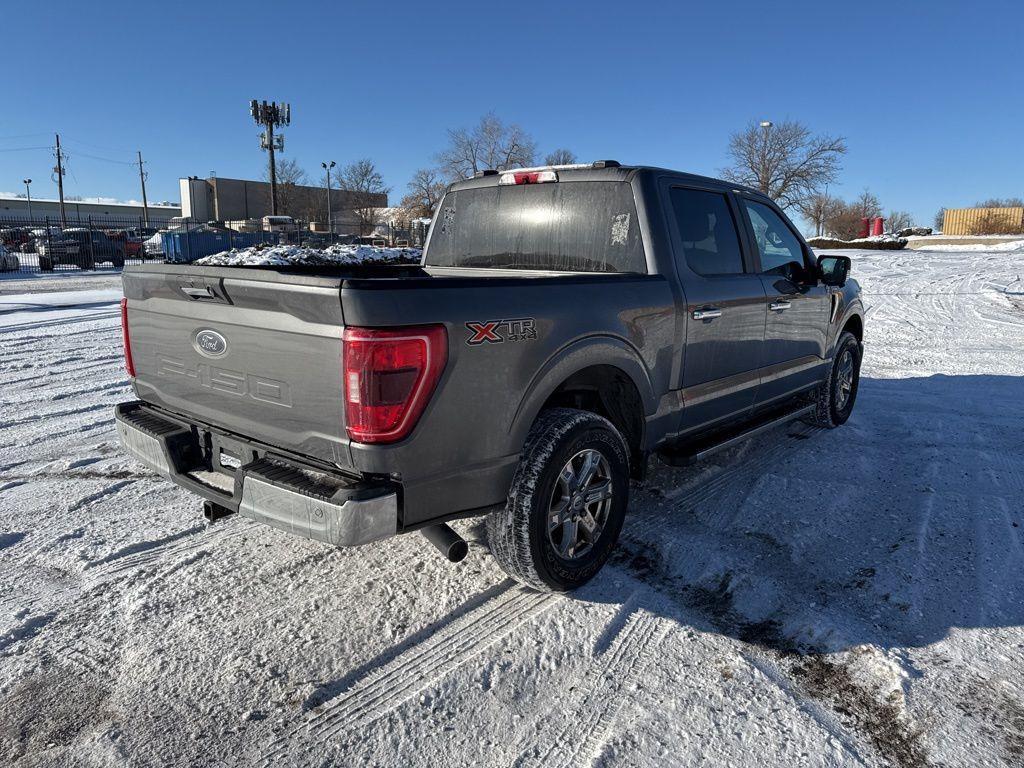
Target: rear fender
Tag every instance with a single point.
(571, 359)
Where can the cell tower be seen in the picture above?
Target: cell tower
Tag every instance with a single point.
(271, 116)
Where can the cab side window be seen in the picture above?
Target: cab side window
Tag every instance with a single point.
(781, 253)
(711, 244)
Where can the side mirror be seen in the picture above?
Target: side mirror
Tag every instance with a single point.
(833, 270)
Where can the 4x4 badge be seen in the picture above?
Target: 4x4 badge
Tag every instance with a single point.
(498, 331)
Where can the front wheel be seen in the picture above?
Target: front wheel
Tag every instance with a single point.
(835, 397)
(567, 502)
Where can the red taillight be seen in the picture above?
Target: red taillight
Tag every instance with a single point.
(129, 364)
(528, 177)
(390, 374)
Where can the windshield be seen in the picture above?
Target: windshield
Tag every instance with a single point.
(560, 226)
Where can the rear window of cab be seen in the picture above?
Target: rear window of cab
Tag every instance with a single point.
(561, 226)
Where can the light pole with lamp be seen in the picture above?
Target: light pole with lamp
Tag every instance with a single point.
(767, 126)
(330, 222)
(28, 194)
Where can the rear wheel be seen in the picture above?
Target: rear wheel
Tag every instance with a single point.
(567, 502)
(835, 398)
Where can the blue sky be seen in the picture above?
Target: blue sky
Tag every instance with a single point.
(930, 96)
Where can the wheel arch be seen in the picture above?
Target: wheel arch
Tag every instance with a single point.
(601, 375)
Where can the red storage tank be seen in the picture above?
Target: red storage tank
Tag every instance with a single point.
(864, 227)
(877, 225)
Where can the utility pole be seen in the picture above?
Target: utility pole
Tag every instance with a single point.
(60, 183)
(28, 194)
(330, 224)
(270, 116)
(142, 178)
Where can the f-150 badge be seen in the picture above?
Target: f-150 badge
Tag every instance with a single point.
(498, 331)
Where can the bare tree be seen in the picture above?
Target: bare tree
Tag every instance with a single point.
(561, 156)
(425, 191)
(897, 220)
(290, 176)
(489, 145)
(940, 219)
(784, 161)
(1001, 202)
(818, 209)
(867, 205)
(364, 182)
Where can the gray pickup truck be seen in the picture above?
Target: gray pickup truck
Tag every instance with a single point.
(565, 323)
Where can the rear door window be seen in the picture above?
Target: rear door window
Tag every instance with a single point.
(561, 226)
(707, 229)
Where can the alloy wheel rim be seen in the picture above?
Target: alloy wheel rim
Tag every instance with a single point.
(580, 504)
(844, 380)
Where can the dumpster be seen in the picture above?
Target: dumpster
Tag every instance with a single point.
(184, 247)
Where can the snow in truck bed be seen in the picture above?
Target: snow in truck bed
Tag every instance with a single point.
(294, 255)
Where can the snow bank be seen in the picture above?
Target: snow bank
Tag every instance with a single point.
(876, 242)
(1013, 246)
(286, 255)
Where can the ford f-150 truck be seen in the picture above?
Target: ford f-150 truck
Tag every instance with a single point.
(565, 324)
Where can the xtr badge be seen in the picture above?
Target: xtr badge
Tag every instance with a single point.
(498, 331)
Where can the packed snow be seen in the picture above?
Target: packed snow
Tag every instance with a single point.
(287, 255)
(826, 598)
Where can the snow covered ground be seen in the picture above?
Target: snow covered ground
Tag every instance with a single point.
(849, 597)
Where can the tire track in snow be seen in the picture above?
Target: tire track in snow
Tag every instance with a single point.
(53, 323)
(109, 490)
(38, 417)
(421, 666)
(607, 691)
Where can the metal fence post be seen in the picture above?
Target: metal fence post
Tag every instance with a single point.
(92, 250)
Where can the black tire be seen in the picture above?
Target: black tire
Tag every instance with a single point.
(833, 402)
(45, 265)
(518, 532)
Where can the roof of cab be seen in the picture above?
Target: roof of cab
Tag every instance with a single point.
(601, 170)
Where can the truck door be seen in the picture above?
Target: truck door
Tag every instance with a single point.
(724, 305)
(798, 307)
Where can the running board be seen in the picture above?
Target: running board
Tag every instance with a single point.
(701, 448)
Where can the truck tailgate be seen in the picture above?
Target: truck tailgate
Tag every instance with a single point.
(249, 351)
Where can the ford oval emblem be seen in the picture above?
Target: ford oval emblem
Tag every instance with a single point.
(210, 343)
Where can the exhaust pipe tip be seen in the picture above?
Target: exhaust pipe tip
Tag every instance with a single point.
(447, 541)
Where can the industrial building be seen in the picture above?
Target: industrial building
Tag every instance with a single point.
(220, 199)
(81, 212)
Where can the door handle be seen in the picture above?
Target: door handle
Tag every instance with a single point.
(707, 314)
(779, 306)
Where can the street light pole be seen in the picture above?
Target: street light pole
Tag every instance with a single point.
(28, 194)
(765, 176)
(330, 221)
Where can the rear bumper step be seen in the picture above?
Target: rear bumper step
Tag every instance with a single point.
(302, 500)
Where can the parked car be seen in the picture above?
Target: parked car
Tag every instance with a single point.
(131, 241)
(15, 238)
(98, 246)
(565, 325)
(8, 261)
(153, 247)
(55, 247)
